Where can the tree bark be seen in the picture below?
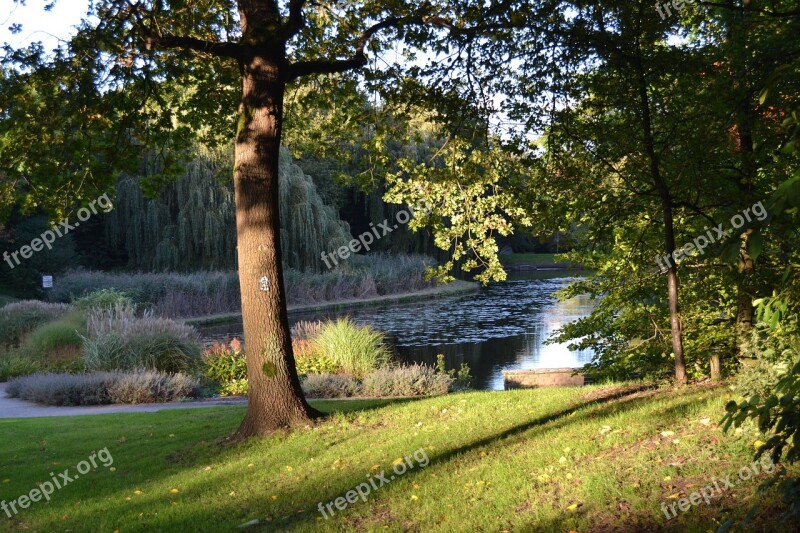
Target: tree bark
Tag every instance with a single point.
(275, 399)
(669, 227)
(716, 367)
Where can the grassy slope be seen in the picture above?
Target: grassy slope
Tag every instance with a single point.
(514, 460)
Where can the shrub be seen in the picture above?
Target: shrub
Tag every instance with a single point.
(120, 340)
(236, 387)
(309, 360)
(107, 299)
(151, 386)
(330, 386)
(57, 341)
(161, 351)
(62, 389)
(462, 379)
(414, 380)
(15, 366)
(225, 363)
(352, 348)
(19, 318)
(100, 388)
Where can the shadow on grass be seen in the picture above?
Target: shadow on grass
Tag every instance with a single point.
(249, 506)
(358, 405)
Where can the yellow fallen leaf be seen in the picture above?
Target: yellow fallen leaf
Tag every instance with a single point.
(174, 491)
(113, 469)
(137, 492)
(274, 497)
(668, 478)
(674, 496)
(572, 507)
(667, 433)
(414, 497)
(758, 444)
(397, 461)
(562, 459)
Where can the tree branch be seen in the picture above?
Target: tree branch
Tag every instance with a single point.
(224, 49)
(296, 20)
(767, 12)
(359, 58)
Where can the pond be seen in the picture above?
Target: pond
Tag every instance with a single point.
(502, 327)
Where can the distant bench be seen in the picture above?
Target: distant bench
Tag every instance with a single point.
(545, 377)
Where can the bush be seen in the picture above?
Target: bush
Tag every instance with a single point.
(19, 318)
(118, 340)
(414, 380)
(151, 386)
(330, 386)
(62, 389)
(461, 378)
(226, 366)
(309, 360)
(106, 299)
(236, 387)
(354, 349)
(161, 351)
(101, 388)
(58, 341)
(15, 366)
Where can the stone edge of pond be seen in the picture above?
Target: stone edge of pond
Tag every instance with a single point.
(452, 289)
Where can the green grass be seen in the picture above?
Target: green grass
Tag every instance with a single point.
(529, 259)
(517, 461)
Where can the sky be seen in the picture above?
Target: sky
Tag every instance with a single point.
(38, 24)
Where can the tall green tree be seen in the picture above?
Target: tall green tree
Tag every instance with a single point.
(152, 75)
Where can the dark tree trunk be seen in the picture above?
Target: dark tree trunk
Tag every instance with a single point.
(741, 103)
(275, 397)
(669, 228)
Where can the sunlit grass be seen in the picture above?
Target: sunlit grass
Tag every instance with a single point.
(541, 460)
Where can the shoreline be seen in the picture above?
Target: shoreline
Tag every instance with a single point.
(451, 289)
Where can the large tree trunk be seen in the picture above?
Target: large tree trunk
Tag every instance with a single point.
(275, 397)
(669, 227)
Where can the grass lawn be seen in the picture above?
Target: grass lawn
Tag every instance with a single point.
(590, 459)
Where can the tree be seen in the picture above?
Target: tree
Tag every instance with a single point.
(148, 76)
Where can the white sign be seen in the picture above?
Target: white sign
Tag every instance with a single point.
(47, 282)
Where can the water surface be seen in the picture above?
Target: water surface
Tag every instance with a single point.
(502, 327)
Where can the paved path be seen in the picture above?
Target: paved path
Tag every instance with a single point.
(13, 408)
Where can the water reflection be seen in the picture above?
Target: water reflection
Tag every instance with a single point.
(502, 327)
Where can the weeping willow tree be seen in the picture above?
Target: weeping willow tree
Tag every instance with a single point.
(191, 225)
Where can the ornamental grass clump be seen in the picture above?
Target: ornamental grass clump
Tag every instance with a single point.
(119, 340)
(354, 349)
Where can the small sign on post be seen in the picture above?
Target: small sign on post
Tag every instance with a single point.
(47, 282)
